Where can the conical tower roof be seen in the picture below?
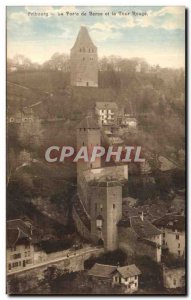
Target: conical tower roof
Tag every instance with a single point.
(83, 39)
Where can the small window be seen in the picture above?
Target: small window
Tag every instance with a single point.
(83, 58)
(135, 284)
(99, 223)
(113, 206)
(178, 245)
(179, 252)
(101, 207)
(177, 236)
(163, 234)
(174, 281)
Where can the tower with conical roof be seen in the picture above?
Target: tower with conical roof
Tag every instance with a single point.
(84, 61)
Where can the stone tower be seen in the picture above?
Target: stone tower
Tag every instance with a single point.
(105, 212)
(99, 193)
(88, 134)
(84, 61)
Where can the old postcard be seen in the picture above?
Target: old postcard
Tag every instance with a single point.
(96, 187)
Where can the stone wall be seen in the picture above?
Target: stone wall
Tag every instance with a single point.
(27, 279)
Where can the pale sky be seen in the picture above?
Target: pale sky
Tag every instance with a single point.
(156, 33)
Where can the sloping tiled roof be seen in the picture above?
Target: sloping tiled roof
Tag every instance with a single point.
(12, 237)
(17, 232)
(172, 222)
(83, 39)
(106, 105)
(144, 229)
(128, 271)
(16, 236)
(100, 270)
(88, 123)
(19, 224)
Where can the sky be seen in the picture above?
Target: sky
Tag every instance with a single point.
(155, 33)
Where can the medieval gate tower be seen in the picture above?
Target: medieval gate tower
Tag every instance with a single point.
(84, 61)
(102, 196)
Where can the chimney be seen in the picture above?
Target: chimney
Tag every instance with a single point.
(142, 216)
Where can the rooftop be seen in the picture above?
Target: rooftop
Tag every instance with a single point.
(19, 224)
(128, 271)
(100, 270)
(83, 39)
(106, 105)
(16, 235)
(171, 222)
(143, 228)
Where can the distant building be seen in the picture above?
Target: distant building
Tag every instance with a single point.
(84, 61)
(20, 250)
(106, 113)
(173, 233)
(102, 273)
(131, 202)
(125, 277)
(128, 277)
(138, 236)
(173, 277)
(129, 121)
(24, 116)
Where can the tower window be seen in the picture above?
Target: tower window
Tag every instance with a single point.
(99, 223)
(113, 205)
(83, 143)
(101, 207)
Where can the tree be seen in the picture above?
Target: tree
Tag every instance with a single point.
(30, 135)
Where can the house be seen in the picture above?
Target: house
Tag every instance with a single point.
(106, 113)
(102, 273)
(173, 277)
(129, 121)
(20, 250)
(139, 236)
(173, 233)
(23, 116)
(127, 276)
